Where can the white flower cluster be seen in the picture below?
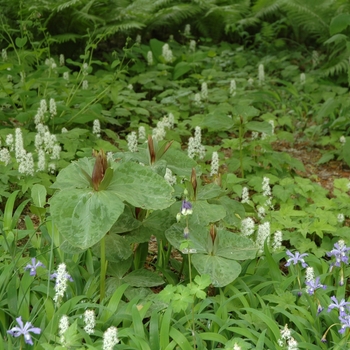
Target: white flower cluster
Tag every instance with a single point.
(25, 160)
(169, 177)
(132, 142)
(263, 235)
(90, 321)
(167, 53)
(187, 31)
(96, 128)
(192, 47)
(245, 195)
(150, 58)
(233, 87)
(286, 337)
(85, 85)
(302, 78)
(142, 133)
(167, 122)
(61, 283)
(66, 76)
(204, 91)
(62, 60)
(4, 55)
(342, 140)
(214, 164)
(247, 226)
(277, 240)
(195, 147)
(50, 62)
(340, 218)
(110, 338)
(197, 99)
(261, 74)
(62, 328)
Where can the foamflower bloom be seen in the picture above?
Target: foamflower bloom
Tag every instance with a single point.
(313, 285)
(24, 330)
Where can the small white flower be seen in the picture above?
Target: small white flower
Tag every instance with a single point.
(272, 123)
(167, 53)
(214, 164)
(245, 195)
(66, 76)
(41, 160)
(302, 78)
(51, 168)
(150, 58)
(64, 130)
(233, 87)
(250, 82)
(204, 91)
(138, 39)
(61, 282)
(263, 235)
(142, 133)
(5, 156)
(9, 141)
(197, 98)
(85, 69)
(266, 187)
(85, 85)
(110, 338)
(315, 58)
(277, 240)
(193, 45)
(169, 177)
(340, 218)
(132, 141)
(342, 140)
(195, 146)
(53, 109)
(63, 327)
(261, 212)
(309, 274)
(4, 54)
(187, 31)
(247, 226)
(159, 132)
(96, 128)
(90, 321)
(19, 150)
(130, 87)
(61, 60)
(261, 74)
(56, 150)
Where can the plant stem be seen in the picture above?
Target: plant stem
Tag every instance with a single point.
(241, 146)
(103, 269)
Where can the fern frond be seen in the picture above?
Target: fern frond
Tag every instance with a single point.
(336, 68)
(67, 4)
(264, 8)
(63, 38)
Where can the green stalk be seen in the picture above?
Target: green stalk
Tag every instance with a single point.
(103, 269)
(241, 146)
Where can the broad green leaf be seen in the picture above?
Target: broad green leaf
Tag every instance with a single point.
(233, 246)
(84, 216)
(117, 248)
(20, 42)
(141, 187)
(217, 122)
(339, 23)
(179, 163)
(205, 213)
(143, 278)
(264, 127)
(221, 271)
(209, 191)
(180, 69)
(39, 195)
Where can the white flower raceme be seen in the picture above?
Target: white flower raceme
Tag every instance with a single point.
(261, 74)
(197, 98)
(90, 321)
(53, 108)
(204, 91)
(192, 47)
(187, 31)
(167, 53)
(4, 54)
(85, 85)
(96, 128)
(66, 76)
(195, 147)
(62, 278)
(62, 59)
(63, 327)
(245, 195)
(277, 240)
(169, 177)
(150, 58)
(132, 141)
(247, 226)
(142, 133)
(340, 218)
(110, 338)
(233, 87)
(302, 78)
(263, 235)
(214, 164)
(342, 140)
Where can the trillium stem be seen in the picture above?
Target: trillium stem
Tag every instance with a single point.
(103, 269)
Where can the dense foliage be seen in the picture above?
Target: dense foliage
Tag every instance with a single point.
(148, 198)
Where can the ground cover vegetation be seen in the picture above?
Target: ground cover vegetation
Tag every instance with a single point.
(146, 201)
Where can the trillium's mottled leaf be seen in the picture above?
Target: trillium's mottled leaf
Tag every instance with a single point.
(205, 213)
(143, 278)
(73, 175)
(84, 216)
(141, 187)
(221, 271)
(210, 191)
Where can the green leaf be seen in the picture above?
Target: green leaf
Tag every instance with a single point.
(141, 187)
(143, 278)
(180, 69)
(39, 195)
(339, 23)
(221, 271)
(205, 213)
(20, 42)
(264, 127)
(84, 216)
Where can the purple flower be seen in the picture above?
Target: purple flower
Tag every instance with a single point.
(313, 285)
(25, 331)
(67, 276)
(342, 306)
(33, 266)
(186, 208)
(340, 251)
(319, 309)
(295, 258)
(345, 323)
